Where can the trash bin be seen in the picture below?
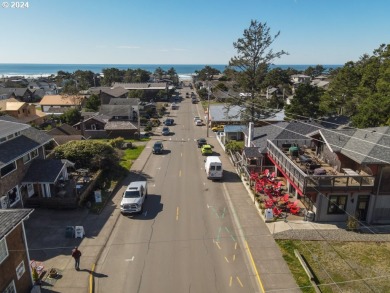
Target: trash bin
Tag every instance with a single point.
(79, 232)
(69, 232)
(310, 216)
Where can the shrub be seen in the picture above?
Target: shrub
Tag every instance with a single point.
(117, 142)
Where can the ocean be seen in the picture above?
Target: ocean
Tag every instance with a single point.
(38, 70)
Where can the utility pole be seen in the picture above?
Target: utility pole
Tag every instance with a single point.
(208, 108)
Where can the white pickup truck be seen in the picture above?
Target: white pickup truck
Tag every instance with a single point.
(134, 197)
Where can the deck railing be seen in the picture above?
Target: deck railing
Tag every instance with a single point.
(305, 181)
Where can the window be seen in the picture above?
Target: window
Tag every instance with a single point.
(10, 288)
(3, 250)
(337, 204)
(26, 158)
(13, 196)
(34, 154)
(8, 169)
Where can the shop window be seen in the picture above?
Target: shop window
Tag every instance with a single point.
(3, 250)
(337, 204)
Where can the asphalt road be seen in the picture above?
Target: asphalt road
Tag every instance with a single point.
(184, 241)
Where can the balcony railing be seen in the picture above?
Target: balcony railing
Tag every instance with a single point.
(305, 181)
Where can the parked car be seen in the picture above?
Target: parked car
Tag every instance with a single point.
(198, 122)
(134, 197)
(174, 106)
(169, 122)
(196, 118)
(201, 142)
(165, 131)
(218, 128)
(158, 147)
(206, 150)
(194, 100)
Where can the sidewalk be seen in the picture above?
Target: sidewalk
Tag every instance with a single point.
(47, 243)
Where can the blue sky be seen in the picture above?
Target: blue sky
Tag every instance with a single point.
(189, 32)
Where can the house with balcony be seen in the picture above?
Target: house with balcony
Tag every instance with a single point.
(335, 173)
(15, 269)
(27, 178)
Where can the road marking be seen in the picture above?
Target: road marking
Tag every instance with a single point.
(177, 213)
(234, 257)
(219, 233)
(235, 246)
(216, 243)
(239, 281)
(180, 173)
(254, 266)
(181, 154)
(223, 213)
(241, 236)
(226, 259)
(230, 282)
(130, 259)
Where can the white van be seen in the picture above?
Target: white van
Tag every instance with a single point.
(213, 167)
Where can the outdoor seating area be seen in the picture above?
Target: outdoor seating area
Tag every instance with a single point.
(272, 195)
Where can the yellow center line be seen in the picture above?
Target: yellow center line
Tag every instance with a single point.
(254, 267)
(230, 282)
(218, 245)
(177, 213)
(180, 173)
(226, 259)
(234, 257)
(239, 281)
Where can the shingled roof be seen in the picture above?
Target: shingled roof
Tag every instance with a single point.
(43, 171)
(364, 146)
(10, 218)
(29, 139)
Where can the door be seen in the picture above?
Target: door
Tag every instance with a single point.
(362, 207)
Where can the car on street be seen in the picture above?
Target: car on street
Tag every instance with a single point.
(158, 147)
(206, 150)
(196, 118)
(165, 131)
(200, 142)
(194, 100)
(198, 122)
(218, 128)
(174, 106)
(168, 122)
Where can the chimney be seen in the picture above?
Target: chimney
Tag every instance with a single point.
(250, 134)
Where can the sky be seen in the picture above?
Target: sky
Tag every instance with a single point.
(188, 32)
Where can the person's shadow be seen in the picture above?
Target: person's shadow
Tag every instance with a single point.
(94, 274)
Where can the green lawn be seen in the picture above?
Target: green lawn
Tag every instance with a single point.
(130, 155)
(340, 266)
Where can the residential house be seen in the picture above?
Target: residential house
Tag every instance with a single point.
(118, 119)
(23, 112)
(65, 133)
(223, 114)
(22, 94)
(335, 173)
(58, 104)
(26, 176)
(15, 272)
(150, 89)
(106, 93)
(50, 88)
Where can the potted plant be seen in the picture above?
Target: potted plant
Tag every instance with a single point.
(352, 223)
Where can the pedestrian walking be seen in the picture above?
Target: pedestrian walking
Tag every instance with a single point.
(76, 254)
